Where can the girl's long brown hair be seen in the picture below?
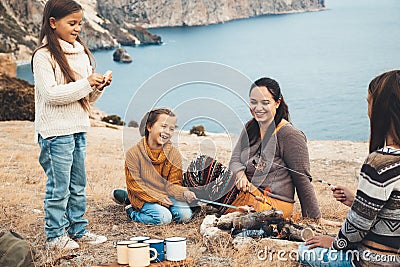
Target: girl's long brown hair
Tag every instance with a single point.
(384, 93)
(59, 9)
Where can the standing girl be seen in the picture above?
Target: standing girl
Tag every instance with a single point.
(153, 170)
(64, 88)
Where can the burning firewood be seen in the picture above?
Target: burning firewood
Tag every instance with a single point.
(257, 220)
(268, 223)
(294, 232)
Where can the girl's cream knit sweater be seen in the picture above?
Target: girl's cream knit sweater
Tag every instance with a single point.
(57, 108)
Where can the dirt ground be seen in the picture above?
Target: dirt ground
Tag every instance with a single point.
(22, 187)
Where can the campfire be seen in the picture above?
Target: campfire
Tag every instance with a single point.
(265, 224)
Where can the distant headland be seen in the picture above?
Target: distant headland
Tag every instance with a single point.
(110, 24)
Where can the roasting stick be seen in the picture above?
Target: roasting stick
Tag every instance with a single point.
(223, 205)
(317, 180)
(325, 182)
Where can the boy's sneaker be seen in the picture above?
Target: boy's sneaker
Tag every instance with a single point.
(62, 242)
(128, 210)
(91, 238)
(120, 196)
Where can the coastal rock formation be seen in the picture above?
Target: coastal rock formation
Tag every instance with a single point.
(17, 99)
(21, 21)
(8, 65)
(111, 23)
(121, 55)
(156, 13)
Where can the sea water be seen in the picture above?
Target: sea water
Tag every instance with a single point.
(323, 61)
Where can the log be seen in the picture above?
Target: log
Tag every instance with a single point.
(256, 220)
(296, 232)
(225, 222)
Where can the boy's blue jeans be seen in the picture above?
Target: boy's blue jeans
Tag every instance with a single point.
(63, 160)
(153, 213)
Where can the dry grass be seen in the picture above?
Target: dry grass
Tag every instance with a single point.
(22, 186)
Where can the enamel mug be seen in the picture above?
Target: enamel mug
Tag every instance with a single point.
(139, 239)
(139, 255)
(157, 244)
(175, 248)
(122, 251)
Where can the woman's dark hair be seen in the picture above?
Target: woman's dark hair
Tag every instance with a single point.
(282, 112)
(384, 93)
(151, 117)
(59, 9)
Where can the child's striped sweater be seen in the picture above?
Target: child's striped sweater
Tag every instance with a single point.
(372, 225)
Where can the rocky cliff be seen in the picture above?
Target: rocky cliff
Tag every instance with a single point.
(17, 99)
(8, 65)
(110, 23)
(162, 13)
(20, 23)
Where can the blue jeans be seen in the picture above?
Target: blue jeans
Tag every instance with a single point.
(153, 213)
(63, 160)
(324, 257)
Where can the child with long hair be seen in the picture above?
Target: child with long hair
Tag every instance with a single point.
(153, 171)
(65, 85)
(370, 235)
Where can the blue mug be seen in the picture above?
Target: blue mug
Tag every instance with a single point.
(157, 244)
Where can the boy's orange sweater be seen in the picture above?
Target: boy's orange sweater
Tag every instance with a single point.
(152, 175)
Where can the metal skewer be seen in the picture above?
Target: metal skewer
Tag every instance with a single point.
(217, 203)
(224, 205)
(289, 169)
(325, 182)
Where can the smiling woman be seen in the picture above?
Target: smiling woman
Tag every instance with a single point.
(263, 161)
(263, 165)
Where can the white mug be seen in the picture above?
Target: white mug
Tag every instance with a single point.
(122, 251)
(139, 255)
(175, 248)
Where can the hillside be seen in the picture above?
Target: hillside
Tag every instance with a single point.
(110, 23)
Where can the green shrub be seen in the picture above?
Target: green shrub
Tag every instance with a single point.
(113, 119)
(199, 130)
(133, 124)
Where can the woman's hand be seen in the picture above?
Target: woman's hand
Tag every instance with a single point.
(323, 241)
(343, 194)
(95, 80)
(189, 196)
(242, 183)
